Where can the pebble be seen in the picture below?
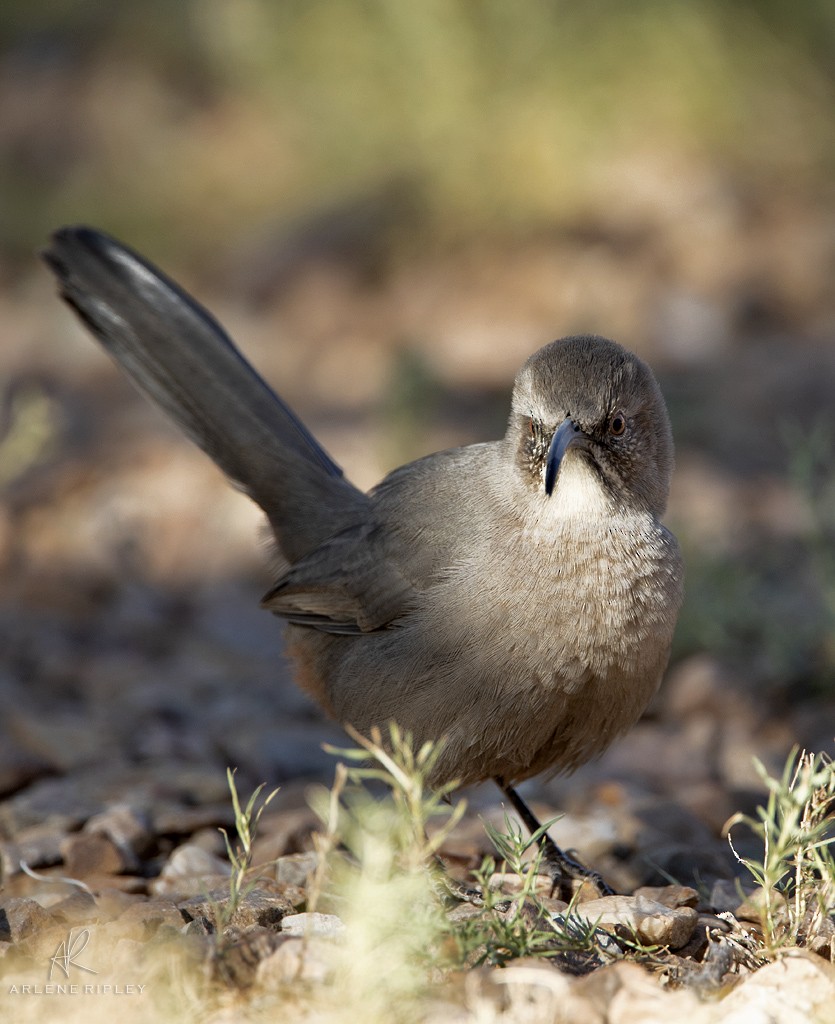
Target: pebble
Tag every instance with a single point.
(127, 827)
(650, 921)
(529, 990)
(295, 960)
(754, 907)
(189, 871)
(324, 926)
(670, 895)
(87, 854)
(725, 895)
(799, 988)
(284, 833)
(296, 868)
(21, 917)
(79, 907)
(238, 958)
(37, 846)
(113, 901)
(142, 918)
(257, 907)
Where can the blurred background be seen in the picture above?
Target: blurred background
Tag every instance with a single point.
(390, 206)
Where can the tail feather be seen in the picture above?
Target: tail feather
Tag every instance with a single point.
(178, 355)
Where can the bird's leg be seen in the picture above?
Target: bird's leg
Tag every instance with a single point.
(560, 866)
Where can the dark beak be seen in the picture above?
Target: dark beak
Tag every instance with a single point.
(567, 435)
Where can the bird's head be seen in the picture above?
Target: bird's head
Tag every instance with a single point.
(588, 399)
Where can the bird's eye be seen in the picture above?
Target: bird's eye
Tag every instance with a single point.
(617, 424)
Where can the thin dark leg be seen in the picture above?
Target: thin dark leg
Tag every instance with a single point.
(559, 864)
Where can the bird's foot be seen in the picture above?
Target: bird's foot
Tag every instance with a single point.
(559, 865)
(563, 869)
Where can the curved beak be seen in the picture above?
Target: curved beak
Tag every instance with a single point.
(567, 435)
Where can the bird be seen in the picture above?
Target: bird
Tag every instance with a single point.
(515, 598)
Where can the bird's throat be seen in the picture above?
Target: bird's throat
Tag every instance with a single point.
(579, 493)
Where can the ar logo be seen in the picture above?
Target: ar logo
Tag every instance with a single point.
(67, 951)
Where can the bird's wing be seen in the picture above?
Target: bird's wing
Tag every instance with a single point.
(347, 585)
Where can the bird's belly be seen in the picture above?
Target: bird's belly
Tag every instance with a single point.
(567, 655)
(542, 672)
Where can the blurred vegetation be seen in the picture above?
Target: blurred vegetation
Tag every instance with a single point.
(30, 424)
(194, 120)
(768, 606)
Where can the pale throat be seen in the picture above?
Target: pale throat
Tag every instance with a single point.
(579, 493)
(578, 506)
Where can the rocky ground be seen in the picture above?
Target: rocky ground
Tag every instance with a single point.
(136, 665)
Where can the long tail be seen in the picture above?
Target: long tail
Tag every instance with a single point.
(180, 357)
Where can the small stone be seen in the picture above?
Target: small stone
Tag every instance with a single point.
(296, 868)
(796, 989)
(239, 955)
(283, 833)
(190, 870)
(38, 846)
(199, 926)
(325, 926)
(726, 896)
(511, 884)
(296, 960)
(651, 922)
(79, 907)
(91, 854)
(755, 907)
(822, 941)
(133, 884)
(127, 827)
(530, 990)
(294, 894)
(114, 901)
(21, 918)
(64, 803)
(143, 918)
(464, 912)
(629, 994)
(670, 895)
(209, 839)
(257, 907)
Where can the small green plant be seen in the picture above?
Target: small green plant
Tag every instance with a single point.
(380, 875)
(394, 840)
(502, 930)
(405, 773)
(507, 929)
(797, 870)
(240, 852)
(31, 433)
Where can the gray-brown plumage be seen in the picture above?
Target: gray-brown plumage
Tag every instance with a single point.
(518, 596)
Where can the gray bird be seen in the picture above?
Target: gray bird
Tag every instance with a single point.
(517, 597)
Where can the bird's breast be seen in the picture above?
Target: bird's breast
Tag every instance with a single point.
(574, 597)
